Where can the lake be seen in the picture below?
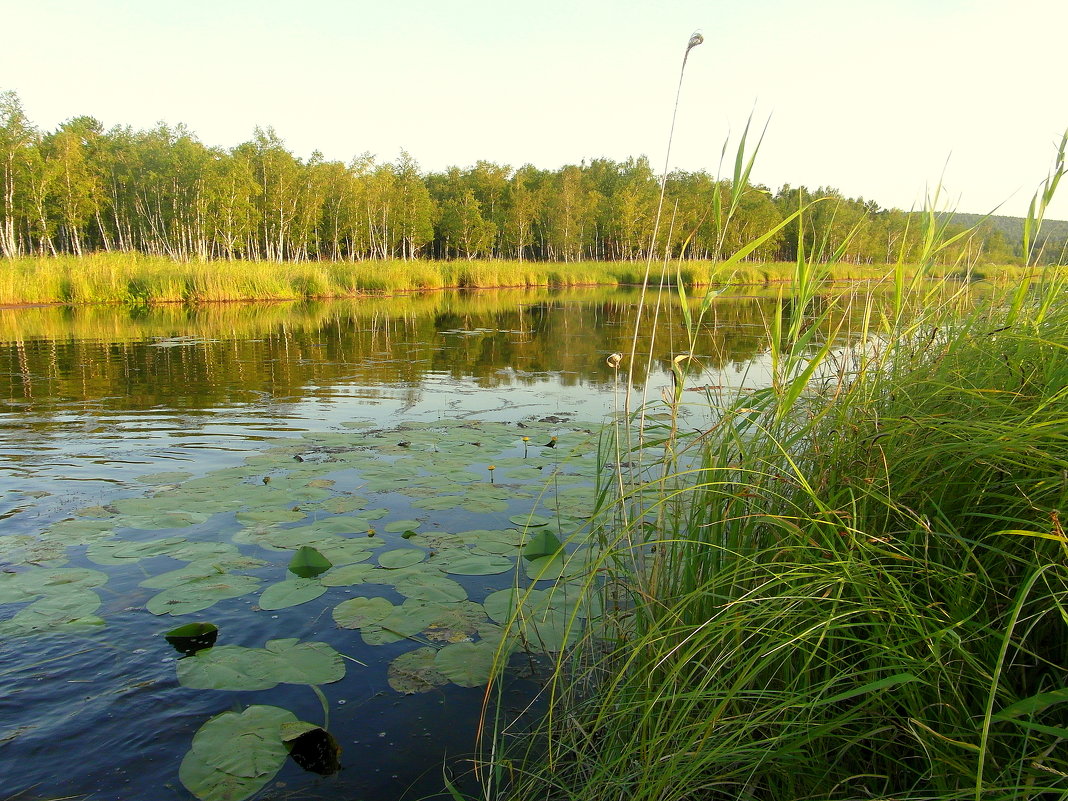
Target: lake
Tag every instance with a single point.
(164, 466)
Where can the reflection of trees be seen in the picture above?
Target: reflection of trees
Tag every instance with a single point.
(202, 358)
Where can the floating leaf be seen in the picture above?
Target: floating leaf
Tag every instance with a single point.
(414, 672)
(308, 562)
(211, 784)
(468, 664)
(246, 744)
(402, 525)
(288, 661)
(201, 593)
(401, 557)
(431, 588)
(465, 563)
(530, 521)
(347, 576)
(74, 606)
(542, 543)
(192, 637)
(358, 612)
(291, 592)
(545, 567)
(312, 747)
(268, 516)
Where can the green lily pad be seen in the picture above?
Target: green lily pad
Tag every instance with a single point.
(430, 588)
(173, 477)
(308, 563)
(211, 784)
(541, 543)
(440, 503)
(402, 525)
(200, 593)
(268, 516)
(287, 661)
(358, 612)
(74, 606)
(341, 504)
(192, 637)
(545, 567)
(414, 672)
(530, 521)
(246, 744)
(291, 592)
(347, 576)
(401, 557)
(465, 563)
(469, 664)
(484, 506)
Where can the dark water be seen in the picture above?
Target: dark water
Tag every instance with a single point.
(93, 399)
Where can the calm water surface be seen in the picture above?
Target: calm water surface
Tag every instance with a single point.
(94, 400)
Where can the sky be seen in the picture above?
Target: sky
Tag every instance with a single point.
(886, 100)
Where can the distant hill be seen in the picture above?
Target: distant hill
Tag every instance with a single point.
(1053, 231)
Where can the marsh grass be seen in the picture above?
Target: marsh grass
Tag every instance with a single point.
(852, 585)
(134, 279)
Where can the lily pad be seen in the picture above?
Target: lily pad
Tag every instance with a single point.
(211, 784)
(307, 563)
(246, 744)
(414, 672)
(192, 637)
(431, 588)
(530, 521)
(465, 563)
(401, 557)
(402, 525)
(291, 592)
(469, 664)
(200, 593)
(347, 576)
(286, 661)
(542, 543)
(358, 612)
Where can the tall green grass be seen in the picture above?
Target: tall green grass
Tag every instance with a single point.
(852, 584)
(137, 279)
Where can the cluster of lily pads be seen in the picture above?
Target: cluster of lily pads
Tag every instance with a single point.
(326, 499)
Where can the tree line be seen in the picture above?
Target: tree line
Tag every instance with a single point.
(81, 188)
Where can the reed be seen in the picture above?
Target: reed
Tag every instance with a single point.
(136, 279)
(852, 583)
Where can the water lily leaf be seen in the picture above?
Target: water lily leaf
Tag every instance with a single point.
(306, 662)
(414, 672)
(201, 569)
(192, 637)
(431, 588)
(468, 664)
(268, 516)
(484, 505)
(402, 525)
(308, 563)
(541, 544)
(198, 594)
(455, 622)
(24, 586)
(211, 784)
(312, 747)
(173, 477)
(358, 612)
(545, 567)
(52, 611)
(161, 519)
(465, 563)
(347, 576)
(349, 551)
(439, 503)
(401, 557)
(291, 592)
(246, 744)
(530, 521)
(234, 667)
(341, 504)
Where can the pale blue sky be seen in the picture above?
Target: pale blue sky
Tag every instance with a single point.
(870, 97)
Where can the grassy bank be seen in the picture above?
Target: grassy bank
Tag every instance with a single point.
(137, 279)
(853, 586)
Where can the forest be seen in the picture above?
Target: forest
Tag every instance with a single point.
(162, 192)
